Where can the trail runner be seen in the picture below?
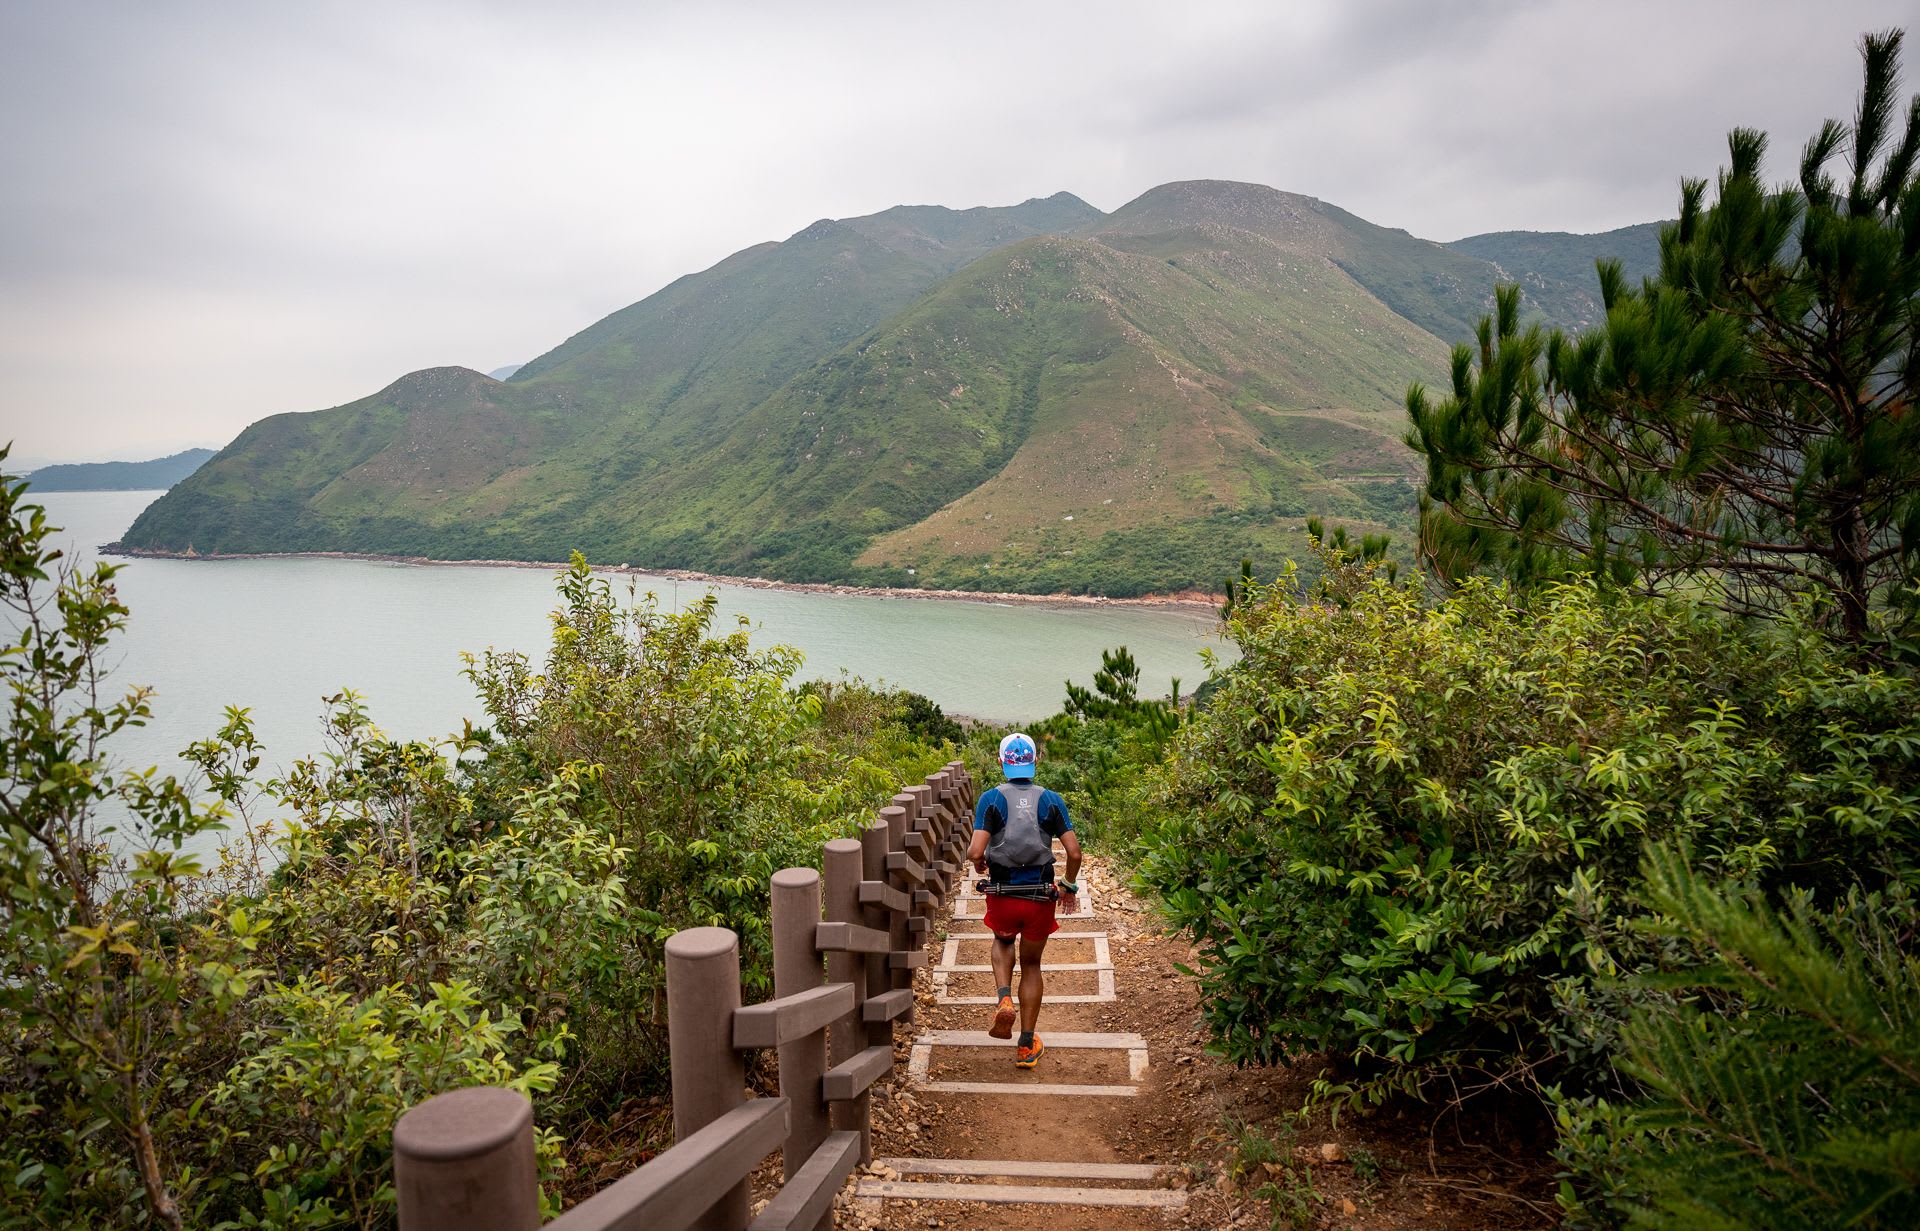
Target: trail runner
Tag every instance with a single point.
(1014, 825)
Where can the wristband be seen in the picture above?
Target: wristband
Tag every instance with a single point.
(1069, 887)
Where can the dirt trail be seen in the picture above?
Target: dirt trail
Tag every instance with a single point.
(1128, 1113)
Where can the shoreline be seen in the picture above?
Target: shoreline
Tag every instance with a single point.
(1182, 600)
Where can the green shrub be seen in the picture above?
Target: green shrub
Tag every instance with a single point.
(185, 1045)
(319, 1089)
(1410, 835)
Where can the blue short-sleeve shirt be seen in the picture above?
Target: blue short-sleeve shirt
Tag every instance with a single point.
(990, 814)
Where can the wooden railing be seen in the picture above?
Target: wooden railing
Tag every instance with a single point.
(465, 1159)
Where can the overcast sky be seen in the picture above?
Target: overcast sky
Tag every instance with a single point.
(212, 212)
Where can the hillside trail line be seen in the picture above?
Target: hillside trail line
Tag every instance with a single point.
(1121, 1126)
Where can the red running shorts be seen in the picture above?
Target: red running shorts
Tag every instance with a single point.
(1031, 920)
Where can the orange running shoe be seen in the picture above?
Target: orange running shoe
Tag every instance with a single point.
(1002, 1027)
(1027, 1057)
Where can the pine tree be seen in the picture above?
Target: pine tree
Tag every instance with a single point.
(1741, 424)
(1784, 1082)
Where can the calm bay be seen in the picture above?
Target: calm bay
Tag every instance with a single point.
(278, 634)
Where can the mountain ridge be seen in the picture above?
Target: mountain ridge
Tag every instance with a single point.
(152, 474)
(1040, 396)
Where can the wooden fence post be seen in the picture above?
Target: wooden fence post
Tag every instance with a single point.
(940, 800)
(796, 969)
(937, 798)
(930, 803)
(709, 1076)
(960, 800)
(873, 867)
(962, 809)
(896, 819)
(840, 865)
(925, 814)
(464, 1160)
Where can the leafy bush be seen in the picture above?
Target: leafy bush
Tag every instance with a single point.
(1411, 835)
(230, 1045)
(318, 1092)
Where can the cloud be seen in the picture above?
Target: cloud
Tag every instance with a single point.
(215, 211)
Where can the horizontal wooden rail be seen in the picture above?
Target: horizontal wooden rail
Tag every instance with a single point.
(885, 895)
(773, 1022)
(888, 1005)
(676, 1188)
(850, 938)
(852, 1077)
(807, 1198)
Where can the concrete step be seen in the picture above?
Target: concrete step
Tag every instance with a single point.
(1105, 990)
(950, 962)
(1052, 1038)
(1020, 1194)
(1080, 998)
(1050, 1089)
(986, 969)
(920, 1057)
(1023, 1169)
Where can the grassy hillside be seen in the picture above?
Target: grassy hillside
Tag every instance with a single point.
(1441, 291)
(337, 479)
(1037, 398)
(155, 475)
(1070, 391)
(451, 463)
(682, 362)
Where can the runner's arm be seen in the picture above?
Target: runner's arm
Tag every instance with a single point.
(1060, 825)
(984, 814)
(1070, 843)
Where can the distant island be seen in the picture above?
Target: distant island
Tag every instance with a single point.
(1043, 398)
(155, 475)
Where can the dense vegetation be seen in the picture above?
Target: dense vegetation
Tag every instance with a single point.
(1532, 826)
(196, 1041)
(1653, 868)
(1412, 835)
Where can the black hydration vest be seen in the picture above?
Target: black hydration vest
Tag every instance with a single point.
(1021, 843)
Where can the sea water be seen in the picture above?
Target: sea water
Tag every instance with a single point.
(277, 635)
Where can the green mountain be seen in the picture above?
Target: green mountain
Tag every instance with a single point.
(154, 475)
(1555, 269)
(1040, 397)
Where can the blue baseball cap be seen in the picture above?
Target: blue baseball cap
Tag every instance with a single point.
(1017, 755)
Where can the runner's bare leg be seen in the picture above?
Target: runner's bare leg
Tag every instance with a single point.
(1002, 959)
(1032, 985)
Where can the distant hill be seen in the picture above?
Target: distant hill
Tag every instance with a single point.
(1555, 269)
(1036, 397)
(503, 373)
(161, 472)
